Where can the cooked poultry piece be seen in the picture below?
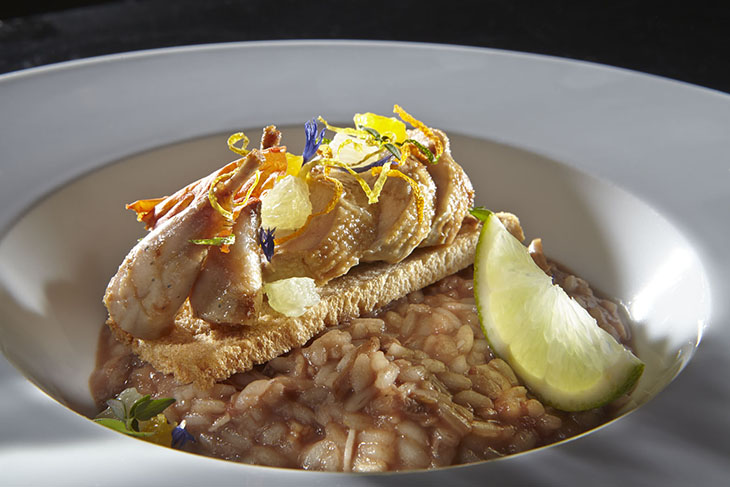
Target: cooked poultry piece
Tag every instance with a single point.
(334, 241)
(401, 190)
(454, 195)
(398, 229)
(229, 289)
(157, 275)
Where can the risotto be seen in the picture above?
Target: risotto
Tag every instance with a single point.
(411, 386)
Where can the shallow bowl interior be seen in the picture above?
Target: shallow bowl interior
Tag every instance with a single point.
(56, 260)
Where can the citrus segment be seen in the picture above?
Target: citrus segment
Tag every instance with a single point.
(551, 342)
(286, 206)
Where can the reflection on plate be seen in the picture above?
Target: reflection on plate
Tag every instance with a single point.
(55, 260)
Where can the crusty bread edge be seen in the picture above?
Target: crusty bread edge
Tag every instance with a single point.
(200, 353)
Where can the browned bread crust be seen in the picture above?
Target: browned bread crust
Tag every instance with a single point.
(201, 353)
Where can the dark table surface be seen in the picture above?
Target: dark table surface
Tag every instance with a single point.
(687, 41)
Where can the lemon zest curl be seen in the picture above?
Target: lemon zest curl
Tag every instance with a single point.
(238, 137)
(420, 202)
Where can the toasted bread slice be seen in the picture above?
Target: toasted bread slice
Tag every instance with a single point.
(201, 353)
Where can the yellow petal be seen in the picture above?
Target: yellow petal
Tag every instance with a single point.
(391, 127)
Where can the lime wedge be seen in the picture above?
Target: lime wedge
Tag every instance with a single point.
(549, 340)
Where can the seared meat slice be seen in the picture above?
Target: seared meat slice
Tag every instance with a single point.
(333, 242)
(229, 288)
(398, 230)
(454, 194)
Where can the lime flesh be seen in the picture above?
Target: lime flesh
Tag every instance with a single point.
(550, 341)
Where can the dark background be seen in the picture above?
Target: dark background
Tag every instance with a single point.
(687, 41)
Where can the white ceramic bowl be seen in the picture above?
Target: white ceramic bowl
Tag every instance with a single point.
(592, 159)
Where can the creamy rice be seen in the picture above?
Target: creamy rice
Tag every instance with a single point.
(413, 386)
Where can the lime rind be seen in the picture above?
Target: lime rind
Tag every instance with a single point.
(550, 341)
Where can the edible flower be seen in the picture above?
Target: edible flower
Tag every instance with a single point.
(180, 435)
(265, 239)
(312, 140)
(377, 163)
(390, 127)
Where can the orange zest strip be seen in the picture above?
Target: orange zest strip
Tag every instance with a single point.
(338, 189)
(154, 211)
(414, 186)
(407, 117)
(225, 248)
(144, 207)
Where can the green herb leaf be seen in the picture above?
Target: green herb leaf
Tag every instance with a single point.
(149, 409)
(114, 424)
(119, 426)
(372, 132)
(422, 149)
(326, 141)
(217, 241)
(139, 402)
(480, 212)
(118, 408)
(130, 408)
(393, 150)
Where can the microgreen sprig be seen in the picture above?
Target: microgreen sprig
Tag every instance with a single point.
(217, 241)
(394, 148)
(383, 141)
(125, 417)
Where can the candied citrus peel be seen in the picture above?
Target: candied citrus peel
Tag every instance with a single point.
(407, 117)
(157, 210)
(144, 208)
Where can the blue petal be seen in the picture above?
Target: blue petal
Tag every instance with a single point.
(312, 141)
(265, 239)
(180, 436)
(377, 163)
